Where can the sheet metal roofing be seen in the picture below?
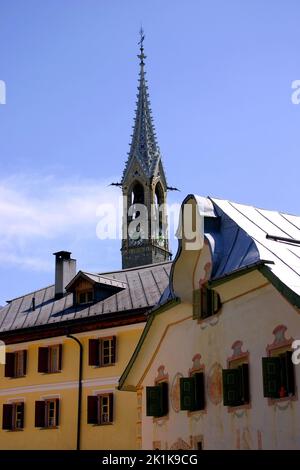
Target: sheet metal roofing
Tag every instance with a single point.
(241, 238)
(144, 287)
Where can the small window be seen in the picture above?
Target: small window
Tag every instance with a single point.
(278, 375)
(13, 416)
(102, 352)
(236, 386)
(15, 365)
(47, 413)
(50, 359)
(206, 302)
(100, 409)
(85, 297)
(157, 399)
(53, 358)
(192, 392)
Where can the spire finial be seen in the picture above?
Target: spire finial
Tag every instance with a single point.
(142, 56)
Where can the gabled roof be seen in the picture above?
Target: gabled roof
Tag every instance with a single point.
(144, 286)
(248, 235)
(96, 279)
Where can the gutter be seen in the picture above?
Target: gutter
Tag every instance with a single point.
(239, 272)
(79, 404)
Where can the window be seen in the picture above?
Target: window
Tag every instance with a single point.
(85, 297)
(206, 302)
(192, 392)
(13, 416)
(100, 409)
(50, 359)
(278, 375)
(102, 352)
(47, 413)
(15, 365)
(236, 385)
(157, 400)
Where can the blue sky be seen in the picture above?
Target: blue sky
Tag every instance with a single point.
(220, 76)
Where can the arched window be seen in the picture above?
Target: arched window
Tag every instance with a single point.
(159, 200)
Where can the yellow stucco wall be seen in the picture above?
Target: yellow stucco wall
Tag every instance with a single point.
(64, 385)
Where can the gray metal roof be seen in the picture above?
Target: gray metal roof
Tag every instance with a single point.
(144, 287)
(240, 237)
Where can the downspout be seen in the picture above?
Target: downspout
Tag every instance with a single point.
(79, 390)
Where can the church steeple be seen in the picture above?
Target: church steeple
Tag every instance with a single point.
(144, 182)
(143, 145)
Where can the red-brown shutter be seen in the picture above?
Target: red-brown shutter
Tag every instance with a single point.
(7, 417)
(24, 362)
(57, 412)
(60, 357)
(113, 351)
(22, 414)
(43, 360)
(40, 409)
(94, 349)
(111, 407)
(92, 415)
(10, 365)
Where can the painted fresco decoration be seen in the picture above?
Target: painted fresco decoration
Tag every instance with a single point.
(214, 383)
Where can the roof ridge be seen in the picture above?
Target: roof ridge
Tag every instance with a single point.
(29, 293)
(137, 268)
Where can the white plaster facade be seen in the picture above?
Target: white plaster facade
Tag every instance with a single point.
(254, 316)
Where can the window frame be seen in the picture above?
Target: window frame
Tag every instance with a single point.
(15, 412)
(274, 353)
(53, 362)
(85, 293)
(10, 416)
(48, 403)
(96, 351)
(95, 409)
(206, 303)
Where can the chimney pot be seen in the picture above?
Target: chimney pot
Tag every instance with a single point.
(65, 270)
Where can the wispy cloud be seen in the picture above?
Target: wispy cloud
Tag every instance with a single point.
(36, 210)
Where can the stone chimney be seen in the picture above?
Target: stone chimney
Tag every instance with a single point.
(65, 270)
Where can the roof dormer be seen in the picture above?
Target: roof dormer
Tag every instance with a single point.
(88, 288)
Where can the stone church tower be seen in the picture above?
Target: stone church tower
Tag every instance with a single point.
(144, 187)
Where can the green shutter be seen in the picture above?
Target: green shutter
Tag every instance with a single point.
(187, 393)
(157, 399)
(196, 304)
(199, 391)
(287, 373)
(244, 381)
(204, 303)
(164, 387)
(271, 376)
(153, 398)
(231, 387)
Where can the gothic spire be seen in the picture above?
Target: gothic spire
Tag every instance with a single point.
(144, 146)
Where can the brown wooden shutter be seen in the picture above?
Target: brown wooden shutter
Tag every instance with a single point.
(10, 365)
(7, 417)
(24, 362)
(92, 410)
(57, 412)
(94, 350)
(111, 407)
(60, 357)
(43, 360)
(113, 353)
(40, 409)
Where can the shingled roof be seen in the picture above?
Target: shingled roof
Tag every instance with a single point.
(145, 286)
